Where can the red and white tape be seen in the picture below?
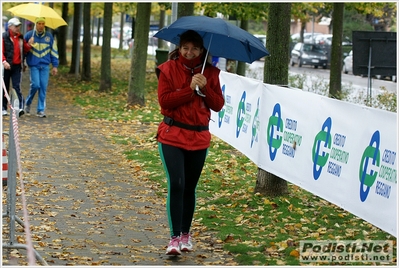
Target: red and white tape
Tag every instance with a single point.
(4, 161)
(29, 250)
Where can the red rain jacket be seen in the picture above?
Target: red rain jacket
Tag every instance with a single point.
(179, 102)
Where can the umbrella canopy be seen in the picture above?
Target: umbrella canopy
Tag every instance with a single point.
(32, 11)
(222, 38)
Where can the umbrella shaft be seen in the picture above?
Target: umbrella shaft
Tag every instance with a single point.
(206, 56)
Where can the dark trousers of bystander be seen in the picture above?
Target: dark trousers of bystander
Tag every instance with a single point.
(14, 75)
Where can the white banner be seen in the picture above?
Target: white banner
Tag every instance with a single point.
(237, 123)
(342, 152)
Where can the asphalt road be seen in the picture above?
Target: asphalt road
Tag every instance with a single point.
(255, 70)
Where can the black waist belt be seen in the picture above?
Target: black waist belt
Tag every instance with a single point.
(169, 121)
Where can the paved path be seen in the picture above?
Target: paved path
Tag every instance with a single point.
(88, 205)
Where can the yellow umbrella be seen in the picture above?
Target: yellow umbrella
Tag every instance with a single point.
(32, 11)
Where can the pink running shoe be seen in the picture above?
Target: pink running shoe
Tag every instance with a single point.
(185, 242)
(173, 247)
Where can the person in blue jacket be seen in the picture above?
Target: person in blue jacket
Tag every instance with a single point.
(43, 53)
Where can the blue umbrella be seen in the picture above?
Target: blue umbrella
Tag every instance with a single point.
(222, 38)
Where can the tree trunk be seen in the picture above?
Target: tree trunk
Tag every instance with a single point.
(105, 82)
(139, 58)
(161, 42)
(75, 36)
(93, 23)
(303, 27)
(276, 72)
(242, 65)
(121, 37)
(185, 9)
(86, 64)
(270, 185)
(336, 51)
(99, 23)
(49, 29)
(62, 37)
(278, 42)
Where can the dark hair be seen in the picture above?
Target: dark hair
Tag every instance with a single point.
(188, 36)
(193, 37)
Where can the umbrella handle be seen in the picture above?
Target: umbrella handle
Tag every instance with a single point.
(199, 92)
(34, 30)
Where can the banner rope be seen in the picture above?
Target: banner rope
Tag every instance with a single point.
(30, 251)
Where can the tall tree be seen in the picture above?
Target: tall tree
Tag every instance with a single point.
(62, 37)
(276, 72)
(86, 64)
(185, 9)
(99, 24)
(97, 10)
(242, 65)
(377, 9)
(380, 15)
(162, 13)
(336, 51)
(93, 23)
(51, 4)
(121, 34)
(75, 37)
(242, 12)
(139, 58)
(305, 12)
(105, 82)
(123, 8)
